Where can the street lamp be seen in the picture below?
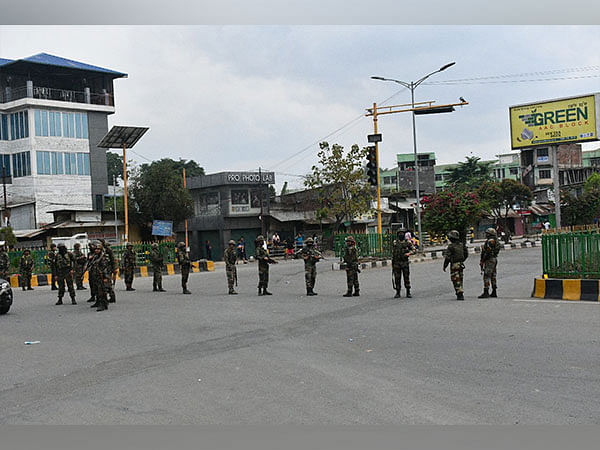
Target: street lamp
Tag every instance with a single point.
(412, 86)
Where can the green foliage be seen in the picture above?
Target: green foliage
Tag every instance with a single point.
(339, 178)
(108, 204)
(7, 235)
(580, 210)
(592, 183)
(114, 166)
(192, 169)
(469, 175)
(451, 210)
(157, 193)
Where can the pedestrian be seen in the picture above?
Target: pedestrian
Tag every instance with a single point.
(547, 225)
(241, 249)
(276, 240)
(264, 260)
(489, 262)
(90, 256)
(100, 270)
(65, 263)
(183, 259)
(4, 262)
(208, 250)
(352, 269)
(315, 241)
(156, 259)
(110, 255)
(79, 260)
(455, 255)
(230, 269)
(52, 266)
(128, 264)
(401, 250)
(26, 265)
(289, 249)
(311, 256)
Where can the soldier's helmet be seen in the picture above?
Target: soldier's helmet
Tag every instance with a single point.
(453, 235)
(231, 242)
(491, 232)
(155, 245)
(260, 237)
(181, 245)
(129, 245)
(77, 246)
(310, 241)
(62, 245)
(98, 244)
(350, 239)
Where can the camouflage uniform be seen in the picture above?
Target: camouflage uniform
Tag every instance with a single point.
(128, 267)
(4, 264)
(488, 263)
(101, 272)
(156, 259)
(52, 266)
(401, 264)
(64, 273)
(110, 255)
(455, 255)
(263, 268)
(351, 261)
(183, 259)
(91, 281)
(79, 261)
(26, 269)
(230, 258)
(311, 256)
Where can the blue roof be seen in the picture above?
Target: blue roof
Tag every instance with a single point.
(51, 60)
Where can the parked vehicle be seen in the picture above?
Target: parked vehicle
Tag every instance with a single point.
(81, 238)
(6, 296)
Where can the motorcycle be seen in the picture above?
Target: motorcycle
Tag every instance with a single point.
(6, 296)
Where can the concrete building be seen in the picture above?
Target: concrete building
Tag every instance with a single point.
(53, 113)
(227, 206)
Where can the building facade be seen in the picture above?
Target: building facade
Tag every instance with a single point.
(53, 113)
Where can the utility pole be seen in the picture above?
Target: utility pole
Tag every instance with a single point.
(556, 179)
(6, 212)
(262, 221)
(379, 230)
(186, 222)
(125, 192)
(117, 237)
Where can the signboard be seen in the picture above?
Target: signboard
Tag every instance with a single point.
(554, 122)
(162, 228)
(251, 177)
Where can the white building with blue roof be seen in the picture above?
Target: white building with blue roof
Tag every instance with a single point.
(53, 113)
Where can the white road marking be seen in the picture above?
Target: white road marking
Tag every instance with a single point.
(541, 300)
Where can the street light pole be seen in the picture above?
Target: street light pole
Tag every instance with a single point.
(412, 86)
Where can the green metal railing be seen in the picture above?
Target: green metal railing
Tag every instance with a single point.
(571, 254)
(371, 244)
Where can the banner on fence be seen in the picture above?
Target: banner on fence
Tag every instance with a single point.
(162, 228)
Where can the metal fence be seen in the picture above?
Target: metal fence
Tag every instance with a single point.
(571, 254)
(371, 244)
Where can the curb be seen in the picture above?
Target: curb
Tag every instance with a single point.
(568, 289)
(140, 272)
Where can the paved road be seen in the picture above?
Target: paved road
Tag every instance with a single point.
(211, 358)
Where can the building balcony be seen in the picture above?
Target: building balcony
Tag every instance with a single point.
(45, 93)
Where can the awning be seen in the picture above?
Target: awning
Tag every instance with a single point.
(28, 233)
(539, 210)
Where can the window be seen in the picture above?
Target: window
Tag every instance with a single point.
(67, 164)
(71, 125)
(387, 180)
(44, 123)
(439, 177)
(542, 152)
(5, 161)
(65, 120)
(21, 163)
(4, 127)
(239, 197)
(84, 125)
(57, 163)
(514, 171)
(78, 126)
(545, 173)
(43, 163)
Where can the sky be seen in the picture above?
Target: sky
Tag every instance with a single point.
(244, 97)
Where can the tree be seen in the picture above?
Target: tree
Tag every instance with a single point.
(192, 169)
(582, 210)
(284, 188)
(114, 166)
(7, 235)
(592, 183)
(157, 193)
(470, 174)
(451, 210)
(499, 197)
(339, 179)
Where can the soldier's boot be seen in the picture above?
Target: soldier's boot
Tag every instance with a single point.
(493, 294)
(485, 294)
(160, 288)
(313, 292)
(265, 292)
(408, 293)
(154, 288)
(356, 292)
(102, 307)
(95, 305)
(348, 293)
(59, 302)
(24, 288)
(397, 294)
(460, 296)
(73, 302)
(185, 290)
(232, 292)
(309, 292)
(260, 292)
(29, 288)
(91, 299)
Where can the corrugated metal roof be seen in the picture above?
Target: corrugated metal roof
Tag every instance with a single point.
(4, 61)
(51, 60)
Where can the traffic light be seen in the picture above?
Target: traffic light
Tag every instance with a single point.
(372, 165)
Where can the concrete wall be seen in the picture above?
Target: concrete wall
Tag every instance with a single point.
(97, 129)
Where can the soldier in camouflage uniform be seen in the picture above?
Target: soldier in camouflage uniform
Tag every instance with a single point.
(108, 252)
(4, 262)
(100, 270)
(156, 260)
(64, 273)
(90, 256)
(401, 250)
(26, 269)
(79, 260)
(185, 265)
(488, 262)
(52, 265)
(352, 270)
(455, 255)
(230, 258)
(128, 266)
(264, 260)
(311, 256)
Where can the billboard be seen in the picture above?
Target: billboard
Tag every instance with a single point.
(162, 228)
(554, 122)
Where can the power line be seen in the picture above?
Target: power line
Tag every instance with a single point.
(517, 81)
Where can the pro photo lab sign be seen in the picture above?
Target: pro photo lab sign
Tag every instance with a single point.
(554, 122)
(162, 228)
(251, 177)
